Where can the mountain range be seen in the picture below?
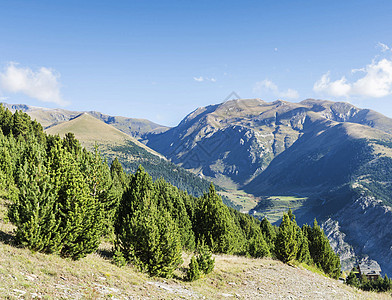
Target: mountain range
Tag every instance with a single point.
(324, 159)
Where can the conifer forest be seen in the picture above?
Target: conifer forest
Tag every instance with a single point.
(65, 200)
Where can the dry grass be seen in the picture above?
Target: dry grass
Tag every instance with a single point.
(28, 275)
(90, 131)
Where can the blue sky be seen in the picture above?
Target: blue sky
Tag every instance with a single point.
(162, 59)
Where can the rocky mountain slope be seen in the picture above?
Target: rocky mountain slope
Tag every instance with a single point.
(367, 225)
(239, 139)
(328, 153)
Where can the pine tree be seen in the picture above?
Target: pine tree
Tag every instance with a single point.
(166, 253)
(35, 211)
(169, 198)
(303, 254)
(204, 259)
(136, 197)
(193, 272)
(97, 175)
(321, 251)
(146, 234)
(116, 170)
(81, 213)
(286, 245)
(258, 246)
(352, 279)
(269, 234)
(214, 224)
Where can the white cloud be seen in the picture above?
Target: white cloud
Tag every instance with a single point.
(290, 93)
(375, 83)
(199, 79)
(336, 88)
(42, 85)
(268, 86)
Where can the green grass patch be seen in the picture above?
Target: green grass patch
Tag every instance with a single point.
(273, 207)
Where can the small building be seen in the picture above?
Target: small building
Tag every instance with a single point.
(371, 269)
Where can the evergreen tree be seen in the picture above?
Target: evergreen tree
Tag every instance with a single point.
(81, 214)
(321, 251)
(166, 253)
(116, 170)
(214, 225)
(204, 259)
(269, 234)
(352, 279)
(97, 175)
(286, 245)
(193, 272)
(170, 199)
(34, 212)
(146, 234)
(135, 198)
(258, 246)
(303, 254)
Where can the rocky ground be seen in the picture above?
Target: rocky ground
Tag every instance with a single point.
(27, 275)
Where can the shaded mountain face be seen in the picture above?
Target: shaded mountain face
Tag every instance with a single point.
(278, 146)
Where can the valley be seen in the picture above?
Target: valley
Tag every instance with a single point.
(316, 157)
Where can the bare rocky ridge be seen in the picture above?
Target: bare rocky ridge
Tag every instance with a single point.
(238, 139)
(365, 219)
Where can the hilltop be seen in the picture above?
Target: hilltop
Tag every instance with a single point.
(48, 117)
(90, 131)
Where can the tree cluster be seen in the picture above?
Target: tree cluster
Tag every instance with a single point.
(363, 283)
(64, 199)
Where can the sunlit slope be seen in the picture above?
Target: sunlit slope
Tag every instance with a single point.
(90, 131)
(131, 153)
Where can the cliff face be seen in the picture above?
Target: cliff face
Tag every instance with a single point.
(366, 224)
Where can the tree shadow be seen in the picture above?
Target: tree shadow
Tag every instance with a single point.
(7, 238)
(105, 253)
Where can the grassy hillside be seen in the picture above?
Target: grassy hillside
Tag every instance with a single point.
(50, 117)
(90, 131)
(27, 275)
(131, 153)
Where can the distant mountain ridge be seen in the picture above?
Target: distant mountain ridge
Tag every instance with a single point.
(238, 139)
(328, 153)
(48, 117)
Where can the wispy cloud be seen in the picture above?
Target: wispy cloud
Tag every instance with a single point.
(42, 84)
(376, 82)
(201, 79)
(383, 47)
(267, 85)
